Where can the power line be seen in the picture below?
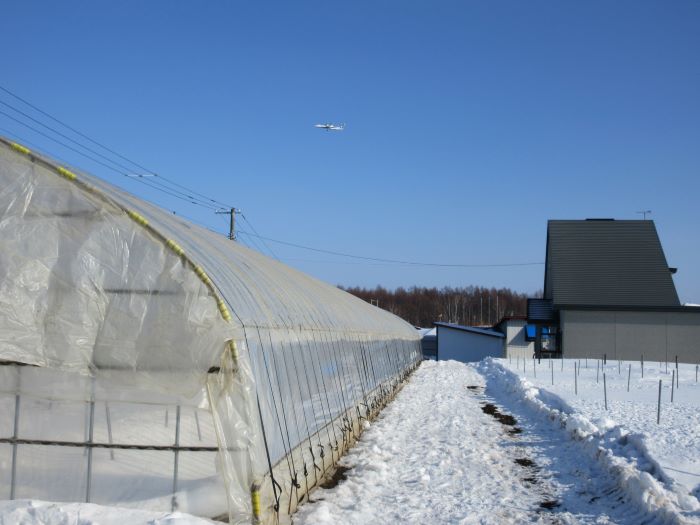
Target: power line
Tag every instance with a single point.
(259, 236)
(393, 261)
(253, 239)
(83, 135)
(173, 193)
(36, 147)
(155, 184)
(208, 202)
(253, 242)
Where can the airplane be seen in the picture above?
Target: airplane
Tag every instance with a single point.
(330, 127)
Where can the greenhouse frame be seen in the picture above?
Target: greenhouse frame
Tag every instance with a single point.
(148, 362)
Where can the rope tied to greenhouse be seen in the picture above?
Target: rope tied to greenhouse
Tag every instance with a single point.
(287, 449)
(294, 409)
(325, 392)
(313, 456)
(275, 485)
(301, 397)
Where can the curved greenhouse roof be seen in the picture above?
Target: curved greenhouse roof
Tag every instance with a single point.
(96, 281)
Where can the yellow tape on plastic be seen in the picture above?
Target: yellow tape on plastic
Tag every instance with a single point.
(223, 309)
(140, 219)
(234, 351)
(66, 173)
(255, 501)
(20, 148)
(202, 275)
(175, 247)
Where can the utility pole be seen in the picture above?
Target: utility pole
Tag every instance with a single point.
(232, 225)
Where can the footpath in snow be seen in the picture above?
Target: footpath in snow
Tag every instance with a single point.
(448, 450)
(656, 465)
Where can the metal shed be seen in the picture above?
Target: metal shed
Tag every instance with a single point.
(466, 343)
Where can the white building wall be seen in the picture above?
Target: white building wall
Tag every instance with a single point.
(467, 347)
(516, 344)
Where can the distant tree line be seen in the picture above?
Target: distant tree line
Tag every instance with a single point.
(470, 306)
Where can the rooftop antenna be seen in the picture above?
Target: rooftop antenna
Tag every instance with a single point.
(644, 213)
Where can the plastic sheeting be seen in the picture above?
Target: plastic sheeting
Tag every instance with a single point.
(145, 331)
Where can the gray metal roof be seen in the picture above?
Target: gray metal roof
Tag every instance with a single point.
(481, 331)
(607, 263)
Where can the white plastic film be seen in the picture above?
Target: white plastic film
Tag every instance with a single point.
(151, 342)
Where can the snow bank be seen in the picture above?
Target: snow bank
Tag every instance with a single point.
(624, 454)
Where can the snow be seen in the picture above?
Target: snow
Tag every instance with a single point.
(445, 451)
(435, 456)
(669, 452)
(30, 512)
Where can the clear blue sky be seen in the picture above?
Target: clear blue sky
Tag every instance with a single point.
(469, 124)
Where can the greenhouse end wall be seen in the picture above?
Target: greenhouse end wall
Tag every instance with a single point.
(158, 365)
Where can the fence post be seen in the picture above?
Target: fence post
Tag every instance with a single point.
(575, 379)
(673, 381)
(629, 375)
(658, 406)
(605, 392)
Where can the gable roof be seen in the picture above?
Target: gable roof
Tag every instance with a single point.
(607, 263)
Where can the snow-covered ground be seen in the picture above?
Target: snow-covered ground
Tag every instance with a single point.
(670, 450)
(446, 451)
(492, 444)
(28, 512)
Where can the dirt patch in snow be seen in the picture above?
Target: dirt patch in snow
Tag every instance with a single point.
(340, 474)
(525, 462)
(504, 419)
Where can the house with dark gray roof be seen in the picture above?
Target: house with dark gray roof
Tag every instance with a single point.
(608, 290)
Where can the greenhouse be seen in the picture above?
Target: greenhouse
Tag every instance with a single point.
(148, 362)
